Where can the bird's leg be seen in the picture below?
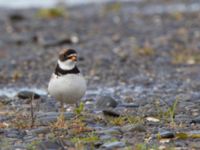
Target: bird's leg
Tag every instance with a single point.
(62, 107)
(61, 118)
(76, 105)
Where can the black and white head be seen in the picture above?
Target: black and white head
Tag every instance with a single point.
(67, 59)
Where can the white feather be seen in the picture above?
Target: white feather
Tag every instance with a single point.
(67, 65)
(68, 88)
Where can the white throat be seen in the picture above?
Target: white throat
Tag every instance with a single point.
(66, 65)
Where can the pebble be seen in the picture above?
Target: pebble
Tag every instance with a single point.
(110, 131)
(28, 94)
(167, 134)
(29, 138)
(113, 145)
(133, 128)
(129, 105)
(49, 145)
(56, 40)
(50, 117)
(152, 119)
(5, 100)
(104, 102)
(105, 137)
(14, 133)
(196, 120)
(111, 113)
(16, 17)
(19, 147)
(39, 130)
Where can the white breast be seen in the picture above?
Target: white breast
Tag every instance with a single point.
(69, 88)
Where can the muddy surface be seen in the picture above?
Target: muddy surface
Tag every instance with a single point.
(140, 57)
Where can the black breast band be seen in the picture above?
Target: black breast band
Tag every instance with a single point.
(60, 72)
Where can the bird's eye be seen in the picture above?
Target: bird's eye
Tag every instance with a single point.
(65, 56)
(73, 58)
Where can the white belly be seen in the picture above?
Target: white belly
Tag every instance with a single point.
(69, 88)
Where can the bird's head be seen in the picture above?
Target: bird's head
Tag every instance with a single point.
(67, 59)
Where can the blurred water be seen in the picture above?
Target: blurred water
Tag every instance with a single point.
(151, 8)
(46, 3)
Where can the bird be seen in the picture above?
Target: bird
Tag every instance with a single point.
(67, 84)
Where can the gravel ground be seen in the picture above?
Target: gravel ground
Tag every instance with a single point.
(141, 60)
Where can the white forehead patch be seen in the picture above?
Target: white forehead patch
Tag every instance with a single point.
(72, 55)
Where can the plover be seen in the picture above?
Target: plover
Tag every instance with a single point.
(67, 84)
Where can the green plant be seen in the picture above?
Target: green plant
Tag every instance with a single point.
(141, 146)
(79, 109)
(33, 145)
(113, 7)
(51, 12)
(171, 111)
(169, 114)
(89, 139)
(4, 143)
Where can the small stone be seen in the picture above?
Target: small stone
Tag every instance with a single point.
(113, 145)
(129, 105)
(167, 134)
(28, 94)
(50, 117)
(196, 120)
(116, 38)
(39, 130)
(5, 100)
(105, 137)
(49, 145)
(152, 119)
(98, 144)
(29, 138)
(111, 113)
(48, 40)
(133, 128)
(16, 17)
(74, 39)
(14, 133)
(104, 102)
(110, 131)
(2, 131)
(19, 147)
(162, 147)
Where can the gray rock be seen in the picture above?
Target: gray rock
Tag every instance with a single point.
(105, 137)
(14, 133)
(196, 120)
(2, 131)
(19, 147)
(98, 144)
(133, 128)
(104, 102)
(5, 100)
(183, 118)
(111, 113)
(5, 118)
(28, 94)
(110, 131)
(30, 138)
(50, 117)
(40, 130)
(113, 145)
(48, 40)
(129, 105)
(16, 17)
(49, 145)
(167, 134)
